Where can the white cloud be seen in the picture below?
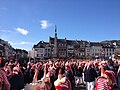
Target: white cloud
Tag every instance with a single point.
(21, 43)
(45, 24)
(22, 31)
(5, 31)
(11, 43)
(25, 43)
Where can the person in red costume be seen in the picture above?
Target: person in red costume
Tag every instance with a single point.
(106, 81)
(62, 83)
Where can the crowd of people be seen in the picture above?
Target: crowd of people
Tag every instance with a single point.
(60, 75)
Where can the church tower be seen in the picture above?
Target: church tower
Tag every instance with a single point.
(55, 44)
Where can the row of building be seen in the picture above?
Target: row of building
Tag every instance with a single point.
(7, 51)
(63, 48)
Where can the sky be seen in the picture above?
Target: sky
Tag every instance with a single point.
(24, 23)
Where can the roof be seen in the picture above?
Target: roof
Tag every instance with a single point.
(69, 42)
(51, 40)
(108, 46)
(41, 44)
(95, 44)
(72, 42)
(61, 40)
(20, 50)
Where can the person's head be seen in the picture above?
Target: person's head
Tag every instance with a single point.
(89, 65)
(62, 65)
(67, 66)
(6, 64)
(16, 70)
(40, 65)
(33, 67)
(7, 71)
(110, 77)
(0, 60)
(60, 74)
(52, 70)
(50, 63)
(10, 65)
(60, 71)
(56, 64)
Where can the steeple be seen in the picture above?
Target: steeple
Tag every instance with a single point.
(55, 44)
(55, 31)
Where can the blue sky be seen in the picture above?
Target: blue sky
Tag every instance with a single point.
(26, 22)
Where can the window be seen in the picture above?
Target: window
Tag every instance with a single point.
(110, 50)
(37, 55)
(64, 44)
(83, 53)
(110, 54)
(48, 50)
(107, 54)
(95, 50)
(113, 50)
(41, 55)
(59, 44)
(107, 50)
(45, 54)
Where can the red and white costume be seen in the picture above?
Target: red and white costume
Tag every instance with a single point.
(101, 84)
(62, 84)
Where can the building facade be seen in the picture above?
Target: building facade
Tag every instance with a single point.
(6, 50)
(63, 48)
(95, 49)
(43, 50)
